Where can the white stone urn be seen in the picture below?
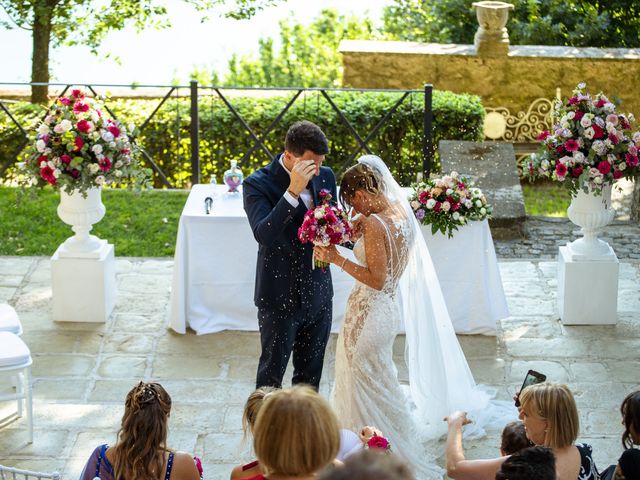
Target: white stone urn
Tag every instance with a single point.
(81, 213)
(591, 212)
(491, 38)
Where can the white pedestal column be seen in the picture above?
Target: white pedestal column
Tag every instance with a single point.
(84, 289)
(587, 288)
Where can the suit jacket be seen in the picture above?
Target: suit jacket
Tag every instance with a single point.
(284, 275)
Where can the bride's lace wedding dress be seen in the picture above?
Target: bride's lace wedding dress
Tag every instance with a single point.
(367, 391)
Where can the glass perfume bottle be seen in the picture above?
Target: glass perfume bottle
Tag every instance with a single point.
(233, 177)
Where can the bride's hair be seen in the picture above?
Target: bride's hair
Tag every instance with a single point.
(359, 177)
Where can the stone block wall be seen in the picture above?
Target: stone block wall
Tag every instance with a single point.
(513, 81)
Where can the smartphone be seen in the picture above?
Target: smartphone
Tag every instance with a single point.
(531, 378)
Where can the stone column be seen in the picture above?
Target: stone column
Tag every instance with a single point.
(492, 38)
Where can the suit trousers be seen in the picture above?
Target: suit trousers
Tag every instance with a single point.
(301, 331)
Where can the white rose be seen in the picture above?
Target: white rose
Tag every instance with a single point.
(94, 136)
(468, 203)
(106, 136)
(97, 148)
(598, 180)
(40, 145)
(99, 180)
(66, 125)
(456, 216)
(431, 203)
(93, 168)
(449, 191)
(112, 145)
(636, 137)
(318, 214)
(622, 166)
(544, 164)
(56, 172)
(578, 157)
(454, 174)
(118, 173)
(483, 211)
(609, 107)
(50, 164)
(585, 121)
(43, 129)
(446, 206)
(589, 133)
(49, 119)
(571, 115)
(95, 117)
(478, 203)
(118, 164)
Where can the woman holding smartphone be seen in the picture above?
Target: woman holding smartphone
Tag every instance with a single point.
(550, 416)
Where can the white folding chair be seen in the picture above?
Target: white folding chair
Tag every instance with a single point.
(9, 321)
(15, 361)
(9, 473)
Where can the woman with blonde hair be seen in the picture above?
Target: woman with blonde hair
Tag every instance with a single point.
(550, 417)
(295, 435)
(141, 452)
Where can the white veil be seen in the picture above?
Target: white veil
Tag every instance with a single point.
(439, 376)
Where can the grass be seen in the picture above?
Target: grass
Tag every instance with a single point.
(146, 224)
(139, 225)
(546, 199)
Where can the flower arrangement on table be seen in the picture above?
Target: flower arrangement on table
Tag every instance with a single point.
(590, 145)
(448, 202)
(326, 224)
(78, 147)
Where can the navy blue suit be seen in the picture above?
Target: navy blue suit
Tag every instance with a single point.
(294, 301)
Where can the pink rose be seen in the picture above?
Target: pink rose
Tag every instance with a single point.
(47, 175)
(632, 160)
(42, 158)
(423, 197)
(578, 116)
(598, 131)
(576, 171)
(600, 103)
(83, 126)
(115, 131)
(378, 442)
(543, 135)
(613, 138)
(604, 167)
(66, 159)
(64, 101)
(77, 93)
(617, 174)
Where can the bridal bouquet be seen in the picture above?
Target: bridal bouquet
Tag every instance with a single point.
(77, 147)
(446, 203)
(589, 147)
(327, 224)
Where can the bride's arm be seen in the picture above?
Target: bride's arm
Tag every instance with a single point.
(375, 273)
(458, 467)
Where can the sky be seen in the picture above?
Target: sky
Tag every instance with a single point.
(156, 57)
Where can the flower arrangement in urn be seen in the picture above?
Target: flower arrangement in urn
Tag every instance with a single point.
(78, 147)
(448, 202)
(589, 147)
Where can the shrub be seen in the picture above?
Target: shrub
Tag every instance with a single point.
(223, 138)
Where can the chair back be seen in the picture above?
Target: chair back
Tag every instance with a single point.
(9, 473)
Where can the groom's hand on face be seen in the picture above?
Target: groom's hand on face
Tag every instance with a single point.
(301, 173)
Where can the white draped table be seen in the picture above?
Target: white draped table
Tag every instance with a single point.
(215, 262)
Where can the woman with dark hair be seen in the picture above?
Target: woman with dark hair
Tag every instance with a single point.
(628, 466)
(141, 452)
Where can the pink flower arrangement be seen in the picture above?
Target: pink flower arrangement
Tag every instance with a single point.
(589, 146)
(448, 202)
(326, 224)
(76, 147)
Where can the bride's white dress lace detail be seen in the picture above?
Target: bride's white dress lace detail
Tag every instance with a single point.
(367, 390)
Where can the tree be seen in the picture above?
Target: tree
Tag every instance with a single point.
(85, 22)
(578, 23)
(307, 56)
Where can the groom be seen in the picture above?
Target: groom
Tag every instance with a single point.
(294, 300)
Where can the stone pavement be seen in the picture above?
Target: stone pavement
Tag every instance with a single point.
(83, 371)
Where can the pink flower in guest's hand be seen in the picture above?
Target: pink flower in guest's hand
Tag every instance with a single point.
(617, 174)
(561, 169)
(604, 167)
(115, 131)
(571, 145)
(198, 465)
(378, 442)
(576, 171)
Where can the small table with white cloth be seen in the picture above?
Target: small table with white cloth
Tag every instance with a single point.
(215, 263)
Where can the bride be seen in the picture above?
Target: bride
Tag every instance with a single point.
(395, 282)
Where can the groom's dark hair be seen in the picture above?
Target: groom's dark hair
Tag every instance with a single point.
(303, 136)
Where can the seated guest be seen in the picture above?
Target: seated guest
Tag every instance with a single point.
(141, 449)
(295, 435)
(532, 463)
(628, 466)
(249, 415)
(370, 464)
(514, 438)
(550, 416)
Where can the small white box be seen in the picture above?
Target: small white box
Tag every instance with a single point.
(587, 289)
(84, 289)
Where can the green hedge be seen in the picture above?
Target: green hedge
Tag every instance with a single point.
(222, 138)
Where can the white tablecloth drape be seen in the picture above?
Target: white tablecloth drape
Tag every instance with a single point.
(215, 262)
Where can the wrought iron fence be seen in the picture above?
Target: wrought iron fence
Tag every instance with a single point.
(196, 98)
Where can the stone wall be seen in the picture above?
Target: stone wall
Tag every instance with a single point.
(513, 81)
